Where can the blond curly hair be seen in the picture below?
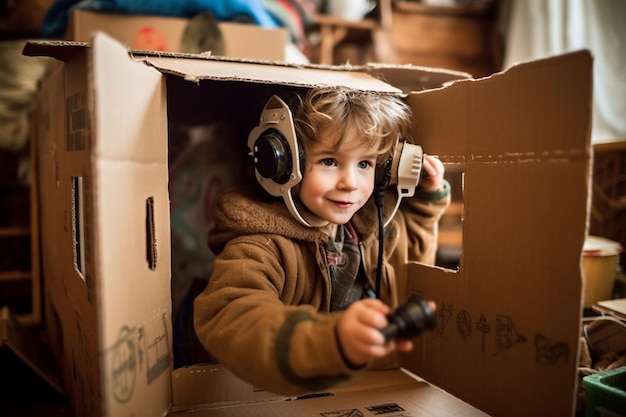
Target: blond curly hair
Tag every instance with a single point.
(379, 119)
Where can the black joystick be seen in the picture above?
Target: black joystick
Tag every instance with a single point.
(410, 319)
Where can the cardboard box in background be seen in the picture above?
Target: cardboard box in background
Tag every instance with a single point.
(164, 33)
(509, 318)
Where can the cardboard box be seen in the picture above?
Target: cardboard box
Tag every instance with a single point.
(509, 318)
(164, 33)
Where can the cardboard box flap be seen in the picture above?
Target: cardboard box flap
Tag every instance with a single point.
(188, 386)
(385, 78)
(61, 50)
(393, 392)
(527, 124)
(509, 320)
(116, 74)
(194, 69)
(412, 78)
(372, 76)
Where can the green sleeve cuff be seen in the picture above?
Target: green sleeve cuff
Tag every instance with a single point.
(443, 192)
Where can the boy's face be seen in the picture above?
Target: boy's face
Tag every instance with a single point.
(336, 183)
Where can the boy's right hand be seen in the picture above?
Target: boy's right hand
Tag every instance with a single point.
(359, 333)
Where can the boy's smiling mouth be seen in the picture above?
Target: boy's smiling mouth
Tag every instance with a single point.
(341, 204)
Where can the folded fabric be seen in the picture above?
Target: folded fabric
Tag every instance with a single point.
(253, 11)
(296, 16)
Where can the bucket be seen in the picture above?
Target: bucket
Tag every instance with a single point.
(600, 259)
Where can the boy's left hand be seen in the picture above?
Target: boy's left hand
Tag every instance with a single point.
(434, 168)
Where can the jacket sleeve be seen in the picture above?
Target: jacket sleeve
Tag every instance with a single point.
(247, 317)
(418, 220)
(410, 237)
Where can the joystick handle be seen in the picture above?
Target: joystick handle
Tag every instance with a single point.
(410, 319)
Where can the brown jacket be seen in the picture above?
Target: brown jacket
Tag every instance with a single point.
(264, 313)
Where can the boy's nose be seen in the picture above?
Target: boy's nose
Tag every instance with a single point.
(347, 181)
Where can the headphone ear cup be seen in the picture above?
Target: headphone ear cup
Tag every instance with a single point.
(276, 157)
(404, 172)
(272, 156)
(274, 148)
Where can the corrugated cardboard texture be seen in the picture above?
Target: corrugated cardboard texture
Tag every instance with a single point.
(102, 155)
(131, 230)
(509, 319)
(198, 69)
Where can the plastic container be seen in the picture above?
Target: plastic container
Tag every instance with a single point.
(352, 10)
(600, 259)
(606, 393)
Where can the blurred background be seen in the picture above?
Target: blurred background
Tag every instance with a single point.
(476, 37)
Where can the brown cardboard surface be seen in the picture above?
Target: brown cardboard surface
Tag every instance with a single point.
(198, 69)
(390, 392)
(229, 390)
(71, 313)
(409, 79)
(132, 250)
(50, 126)
(94, 142)
(164, 33)
(509, 318)
(253, 42)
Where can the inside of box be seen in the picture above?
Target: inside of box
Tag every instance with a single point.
(208, 126)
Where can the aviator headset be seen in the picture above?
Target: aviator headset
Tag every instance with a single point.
(278, 164)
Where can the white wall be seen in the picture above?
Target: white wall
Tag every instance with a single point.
(541, 28)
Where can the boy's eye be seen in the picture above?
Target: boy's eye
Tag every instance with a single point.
(365, 164)
(328, 162)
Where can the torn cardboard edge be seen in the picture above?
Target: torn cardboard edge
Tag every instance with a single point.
(374, 77)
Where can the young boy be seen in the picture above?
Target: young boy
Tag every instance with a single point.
(288, 307)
